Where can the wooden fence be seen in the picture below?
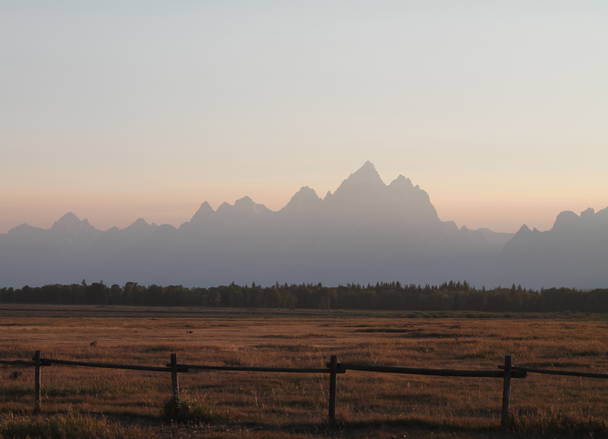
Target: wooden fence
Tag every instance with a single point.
(505, 372)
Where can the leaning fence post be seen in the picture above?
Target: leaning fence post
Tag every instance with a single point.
(333, 370)
(37, 382)
(506, 391)
(174, 378)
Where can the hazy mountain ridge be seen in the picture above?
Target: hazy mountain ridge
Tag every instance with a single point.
(365, 231)
(574, 252)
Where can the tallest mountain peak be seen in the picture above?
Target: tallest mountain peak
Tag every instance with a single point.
(367, 168)
(366, 174)
(68, 218)
(70, 223)
(364, 182)
(67, 222)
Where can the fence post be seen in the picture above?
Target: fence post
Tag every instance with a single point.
(174, 378)
(333, 369)
(506, 392)
(37, 382)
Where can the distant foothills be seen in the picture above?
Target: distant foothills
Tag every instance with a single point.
(363, 233)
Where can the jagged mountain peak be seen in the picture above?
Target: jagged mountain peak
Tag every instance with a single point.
(139, 224)
(244, 202)
(306, 198)
(203, 212)
(567, 218)
(306, 191)
(306, 194)
(206, 206)
(401, 181)
(361, 184)
(66, 220)
(368, 167)
(365, 175)
(364, 192)
(70, 223)
(244, 205)
(224, 207)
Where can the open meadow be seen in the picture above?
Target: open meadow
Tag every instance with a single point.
(262, 405)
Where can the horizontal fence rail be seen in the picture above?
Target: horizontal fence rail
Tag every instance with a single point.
(52, 361)
(194, 367)
(333, 369)
(17, 363)
(435, 372)
(571, 373)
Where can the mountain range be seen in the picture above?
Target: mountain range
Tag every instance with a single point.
(365, 231)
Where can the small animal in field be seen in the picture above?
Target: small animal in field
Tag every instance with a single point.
(93, 343)
(189, 332)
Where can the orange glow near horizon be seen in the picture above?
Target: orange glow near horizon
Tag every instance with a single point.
(104, 115)
(492, 207)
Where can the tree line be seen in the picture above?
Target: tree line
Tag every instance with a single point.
(449, 296)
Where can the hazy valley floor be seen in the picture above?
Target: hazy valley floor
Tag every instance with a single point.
(260, 405)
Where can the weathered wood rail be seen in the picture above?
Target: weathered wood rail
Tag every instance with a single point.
(434, 372)
(333, 369)
(570, 373)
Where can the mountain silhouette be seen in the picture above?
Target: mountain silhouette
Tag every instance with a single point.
(70, 224)
(202, 214)
(364, 231)
(305, 201)
(574, 252)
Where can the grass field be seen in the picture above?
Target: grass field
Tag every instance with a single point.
(259, 405)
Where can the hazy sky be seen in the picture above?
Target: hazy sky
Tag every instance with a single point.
(122, 109)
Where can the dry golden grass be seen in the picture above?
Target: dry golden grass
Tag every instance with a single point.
(262, 405)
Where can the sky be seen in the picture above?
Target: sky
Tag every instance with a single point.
(117, 110)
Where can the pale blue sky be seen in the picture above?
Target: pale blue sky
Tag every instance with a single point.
(121, 109)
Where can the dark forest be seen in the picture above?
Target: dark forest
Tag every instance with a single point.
(450, 296)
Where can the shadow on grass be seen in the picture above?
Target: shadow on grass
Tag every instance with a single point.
(66, 426)
(125, 418)
(530, 428)
(553, 429)
(344, 428)
(18, 391)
